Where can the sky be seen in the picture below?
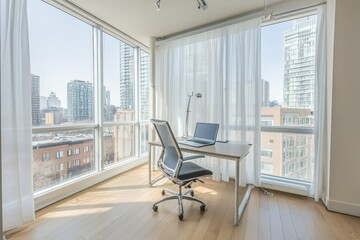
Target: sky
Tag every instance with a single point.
(273, 58)
(60, 53)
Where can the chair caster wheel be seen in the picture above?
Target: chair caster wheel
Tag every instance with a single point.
(155, 208)
(202, 208)
(163, 192)
(181, 217)
(192, 193)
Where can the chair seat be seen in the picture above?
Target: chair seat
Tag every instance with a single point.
(191, 170)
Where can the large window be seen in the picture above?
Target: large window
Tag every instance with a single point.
(287, 119)
(74, 119)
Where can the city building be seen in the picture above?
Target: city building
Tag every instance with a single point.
(126, 76)
(123, 135)
(144, 85)
(43, 102)
(109, 110)
(286, 154)
(53, 101)
(299, 70)
(80, 101)
(35, 99)
(265, 94)
(60, 158)
(52, 115)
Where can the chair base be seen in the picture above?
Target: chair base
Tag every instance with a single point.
(180, 197)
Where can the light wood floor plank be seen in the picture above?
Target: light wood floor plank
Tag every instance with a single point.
(286, 219)
(264, 218)
(276, 228)
(121, 208)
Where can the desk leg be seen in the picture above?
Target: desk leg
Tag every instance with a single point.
(239, 208)
(150, 164)
(237, 180)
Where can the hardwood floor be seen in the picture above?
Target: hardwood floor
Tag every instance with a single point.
(121, 208)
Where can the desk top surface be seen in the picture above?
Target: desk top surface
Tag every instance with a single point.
(230, 150)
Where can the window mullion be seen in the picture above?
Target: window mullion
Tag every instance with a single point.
(137, 100)
(98, 75)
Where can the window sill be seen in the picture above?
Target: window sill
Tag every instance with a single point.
(285, 185)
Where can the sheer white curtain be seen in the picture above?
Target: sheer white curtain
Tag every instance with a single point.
(16, 155)
(224, 66)
(321, 105)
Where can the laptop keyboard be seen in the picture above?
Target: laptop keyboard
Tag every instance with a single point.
(197, 141)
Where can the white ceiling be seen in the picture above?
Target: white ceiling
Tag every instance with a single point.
(140, 19)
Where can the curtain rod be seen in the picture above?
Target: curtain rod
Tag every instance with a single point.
(226, 22)
(209, 27)
(297, 10)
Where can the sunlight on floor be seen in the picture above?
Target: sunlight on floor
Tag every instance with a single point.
(77, 212)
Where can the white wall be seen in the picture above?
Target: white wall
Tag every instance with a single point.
(344, 175)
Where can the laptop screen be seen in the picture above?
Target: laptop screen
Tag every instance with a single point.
(206, 131)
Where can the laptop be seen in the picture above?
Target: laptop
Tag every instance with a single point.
(205, 135)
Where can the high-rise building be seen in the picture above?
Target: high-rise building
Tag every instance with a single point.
(35, 99)
(108, 109)
(53, 101)
(127, 79)
(43, 102)
(106, 97)
(126, 76)
(80, 101)
(299, 71)
(144, 85)
(265, 101)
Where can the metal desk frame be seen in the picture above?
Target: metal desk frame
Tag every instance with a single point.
(233, 151)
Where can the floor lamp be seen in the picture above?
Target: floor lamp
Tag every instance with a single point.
(197, 95)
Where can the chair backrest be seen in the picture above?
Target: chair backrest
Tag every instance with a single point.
(172, 159)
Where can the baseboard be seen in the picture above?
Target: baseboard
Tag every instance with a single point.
(344, 207)
(44, 199)
(325, 200)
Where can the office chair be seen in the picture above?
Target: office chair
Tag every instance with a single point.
(177, 168)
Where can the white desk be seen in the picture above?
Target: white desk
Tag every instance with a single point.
(233, 151)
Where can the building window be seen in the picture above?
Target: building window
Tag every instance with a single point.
(46, 156)
(59, 154)
(76, 151)
(267, 168)
(266, 153)
(86, 149)
(61, 167)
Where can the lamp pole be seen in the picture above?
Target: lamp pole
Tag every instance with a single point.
(197, 95)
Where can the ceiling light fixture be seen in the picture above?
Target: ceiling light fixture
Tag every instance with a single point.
(202, 4)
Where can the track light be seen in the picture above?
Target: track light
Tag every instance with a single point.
(158, 5)
(202, 4)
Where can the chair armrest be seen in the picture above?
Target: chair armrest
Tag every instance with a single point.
(192, 157)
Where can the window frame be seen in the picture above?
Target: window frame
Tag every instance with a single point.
(276, 182)
(65, 188)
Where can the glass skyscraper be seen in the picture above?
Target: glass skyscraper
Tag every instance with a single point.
(299, 71)
(80, 101)
(35, 98)
(126, 76)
